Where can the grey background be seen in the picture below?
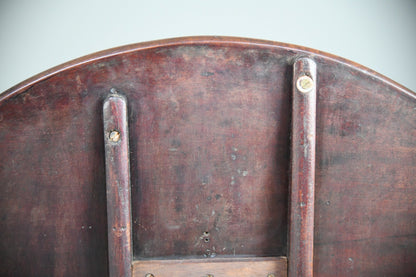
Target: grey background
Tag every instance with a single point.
(37, 35)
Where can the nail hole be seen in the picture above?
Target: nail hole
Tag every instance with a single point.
(206, 239)
(206, 233)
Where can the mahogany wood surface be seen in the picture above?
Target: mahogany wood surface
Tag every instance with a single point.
(209, 122)
(117, 160)
(302, 183)
(210, 141)
(228, 267)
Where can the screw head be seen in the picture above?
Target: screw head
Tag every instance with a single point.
(304, 84)
(149, 275)
(270, 275)
(114, 136)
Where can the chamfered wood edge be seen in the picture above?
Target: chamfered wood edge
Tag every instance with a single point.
(197, 40)
(242, 267)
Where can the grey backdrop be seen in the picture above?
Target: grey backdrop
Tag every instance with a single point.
(37, 35)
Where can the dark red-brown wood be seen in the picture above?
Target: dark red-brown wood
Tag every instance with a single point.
(117, 160)
(302, 184)
(365, 194)
(201, 111)
(210, 153)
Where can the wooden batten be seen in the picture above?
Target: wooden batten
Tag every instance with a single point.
(202, 169)
(118, 186)
(301, 212)
(224, 267)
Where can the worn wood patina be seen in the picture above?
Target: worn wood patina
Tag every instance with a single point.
(209, 122)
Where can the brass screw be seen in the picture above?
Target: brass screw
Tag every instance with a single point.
(149, 275)
(114, 137)
(304, 84)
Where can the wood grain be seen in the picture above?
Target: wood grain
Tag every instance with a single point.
(302, 183)
(210, 151)
(117, 161)
(242, 267)
(192, 102)
(365, 194)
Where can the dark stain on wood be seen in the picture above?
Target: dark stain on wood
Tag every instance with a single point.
(302, 164)
(118, 187)
(233, 127)
(209, 152)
